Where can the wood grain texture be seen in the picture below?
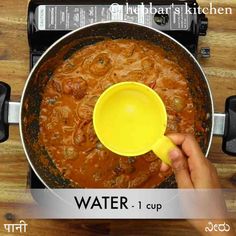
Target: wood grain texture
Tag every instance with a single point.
(14, 65)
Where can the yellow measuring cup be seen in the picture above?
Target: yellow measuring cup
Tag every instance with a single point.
(130, 119)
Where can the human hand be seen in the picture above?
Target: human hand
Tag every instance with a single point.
(193, 171)
(191, 168)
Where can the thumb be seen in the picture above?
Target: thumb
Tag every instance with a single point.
(179, 165)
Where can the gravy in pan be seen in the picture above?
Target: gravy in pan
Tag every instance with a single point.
(66, 129)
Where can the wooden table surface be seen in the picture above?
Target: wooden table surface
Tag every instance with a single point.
(14, 68)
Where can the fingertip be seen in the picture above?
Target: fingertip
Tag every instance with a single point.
(164, 167)
(174, 154)
(176, 138)
(177, 158)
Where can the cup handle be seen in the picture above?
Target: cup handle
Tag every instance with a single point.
(162, 148)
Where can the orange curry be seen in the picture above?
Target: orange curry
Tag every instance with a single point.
(66, 129)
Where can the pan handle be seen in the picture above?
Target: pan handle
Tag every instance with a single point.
(9, 111)
(5, 91)
(225, 126)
